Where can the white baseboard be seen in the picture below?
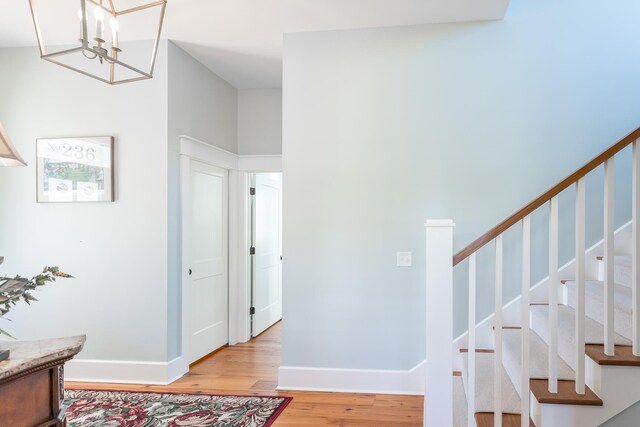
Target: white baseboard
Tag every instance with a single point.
(124, 372)
(353, 380)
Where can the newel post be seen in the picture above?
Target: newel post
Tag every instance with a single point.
(438, 396)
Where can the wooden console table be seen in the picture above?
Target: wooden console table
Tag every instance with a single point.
(32, 381)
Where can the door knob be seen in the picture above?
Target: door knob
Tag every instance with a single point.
(190, 272)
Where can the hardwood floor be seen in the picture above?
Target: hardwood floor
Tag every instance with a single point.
(252, 368)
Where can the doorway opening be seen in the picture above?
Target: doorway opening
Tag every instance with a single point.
(233, 238)
(266, 250)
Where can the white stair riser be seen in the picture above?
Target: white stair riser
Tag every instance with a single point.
(459, 403)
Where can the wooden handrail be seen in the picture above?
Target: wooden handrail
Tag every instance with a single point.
(544, 198)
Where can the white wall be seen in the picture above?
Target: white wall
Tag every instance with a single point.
(203, 106)
(117, 251)
(384, 128)
(260, 121)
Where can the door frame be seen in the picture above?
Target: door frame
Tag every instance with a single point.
(239, 167)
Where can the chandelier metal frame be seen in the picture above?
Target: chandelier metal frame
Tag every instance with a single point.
(97, 50)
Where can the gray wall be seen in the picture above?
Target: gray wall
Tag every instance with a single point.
(203, 106)
(384, 128)
(260, 121)
(627, 418)
(117, 251)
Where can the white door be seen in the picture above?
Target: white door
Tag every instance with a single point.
(209, 255)
(267, 261)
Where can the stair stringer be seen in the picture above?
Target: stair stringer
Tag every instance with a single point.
(617, 386)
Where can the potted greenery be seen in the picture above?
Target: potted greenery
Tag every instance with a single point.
(16, 289)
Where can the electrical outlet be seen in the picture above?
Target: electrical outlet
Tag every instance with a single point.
(403, 259)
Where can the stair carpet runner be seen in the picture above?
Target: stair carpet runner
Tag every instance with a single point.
(539, 349)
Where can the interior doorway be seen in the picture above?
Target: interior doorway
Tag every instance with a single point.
(227, 257)
(266, 251)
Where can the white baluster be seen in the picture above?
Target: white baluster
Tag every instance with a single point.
(525, 299)
(609, 256)
(471, 369)
(553, 296)
(438, 396)
(497, 366)
(635, 247)
(580, 277)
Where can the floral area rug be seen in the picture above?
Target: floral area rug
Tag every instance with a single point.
(88, 408)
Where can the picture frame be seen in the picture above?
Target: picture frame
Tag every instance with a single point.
(75, 170)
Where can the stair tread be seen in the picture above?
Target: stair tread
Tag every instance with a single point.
(484, 385)
(566, 394)
(623, 356)
(594, 304)
(485, 419)
(478, 350)
(538, 358)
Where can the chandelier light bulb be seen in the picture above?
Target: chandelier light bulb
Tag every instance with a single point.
(113, 23)
(99, 15)
(81, 24)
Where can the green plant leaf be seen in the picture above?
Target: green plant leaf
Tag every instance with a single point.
(3, 332)
(13, 290)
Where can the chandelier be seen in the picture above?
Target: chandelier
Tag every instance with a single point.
(88, 36)
(8, 154)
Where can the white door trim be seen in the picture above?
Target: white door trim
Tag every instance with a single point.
(239, 167)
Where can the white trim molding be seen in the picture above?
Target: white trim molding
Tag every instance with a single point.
(207, 153)
(124, 372)
(204, 152)
(410, 382)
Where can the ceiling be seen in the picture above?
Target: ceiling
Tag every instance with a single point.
(241, 40)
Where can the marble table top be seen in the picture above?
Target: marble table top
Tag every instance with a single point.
(26, 355)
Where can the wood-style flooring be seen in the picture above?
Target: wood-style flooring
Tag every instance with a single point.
(252, 368)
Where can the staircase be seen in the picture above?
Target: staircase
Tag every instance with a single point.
(566, 351)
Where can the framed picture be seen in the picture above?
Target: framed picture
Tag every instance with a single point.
(75, 169)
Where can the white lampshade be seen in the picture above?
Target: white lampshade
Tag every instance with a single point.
(8, 154)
